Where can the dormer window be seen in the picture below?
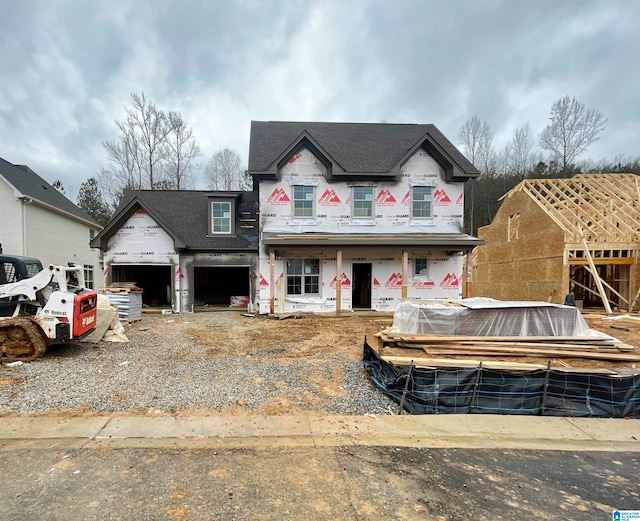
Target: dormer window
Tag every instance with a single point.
(221, 222)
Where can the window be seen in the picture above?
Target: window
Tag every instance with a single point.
(421, 267)
(421, 202)
(362, 201)
(303, 202)
(303, 277)
(88, 276)
(221, 217)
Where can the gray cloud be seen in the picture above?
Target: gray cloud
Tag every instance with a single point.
(68, 68)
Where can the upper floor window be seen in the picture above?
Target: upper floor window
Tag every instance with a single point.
(221, 217)
(303, 277)
(362, 202)
(513, 227)
(304, 201)
(422, 202)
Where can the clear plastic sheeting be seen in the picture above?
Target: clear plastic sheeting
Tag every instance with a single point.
(490, 317)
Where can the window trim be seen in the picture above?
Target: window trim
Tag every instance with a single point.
(303, 276)
(372, 201)
(313, 202)
(431, 204)
(425, 275)
(232, 220)
(88, 271)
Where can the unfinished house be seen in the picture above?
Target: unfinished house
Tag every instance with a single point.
(357, 215)
(184, 248)
(553, 235)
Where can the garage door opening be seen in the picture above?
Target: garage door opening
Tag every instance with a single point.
(155, 282)
(215, 286)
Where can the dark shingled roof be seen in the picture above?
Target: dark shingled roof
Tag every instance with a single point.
(30, 184)
(184, 214)
(355, 147)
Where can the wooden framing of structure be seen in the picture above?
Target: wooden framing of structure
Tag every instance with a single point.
(585, 232)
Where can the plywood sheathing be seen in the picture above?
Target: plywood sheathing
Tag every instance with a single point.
(555, 218)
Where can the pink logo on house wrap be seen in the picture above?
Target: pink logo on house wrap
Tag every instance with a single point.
(263, 282)
(140, 212)
(460, 199)
(279, 196)
(385, 198)
(376, 283)
(294, 158)
(425, 284)
(394, 282)
(451, 281)
(329, 198)
(440, 198)
(407, 198)
(344, 281)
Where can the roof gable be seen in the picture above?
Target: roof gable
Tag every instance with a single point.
(31, 185)
(184, 215)
(596, 207)
(355, 150)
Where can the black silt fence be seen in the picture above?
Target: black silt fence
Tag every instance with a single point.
(546, 392)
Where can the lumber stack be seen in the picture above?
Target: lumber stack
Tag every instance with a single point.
(486, 349)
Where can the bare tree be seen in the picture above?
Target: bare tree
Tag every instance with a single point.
(224, 171)
(476, 136)
(572, 129)
(57, 184)
(182, 151)
(519, 152)
(140, 149)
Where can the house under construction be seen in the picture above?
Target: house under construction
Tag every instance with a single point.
(553, 235)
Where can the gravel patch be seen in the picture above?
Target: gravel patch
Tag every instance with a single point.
(168, 369)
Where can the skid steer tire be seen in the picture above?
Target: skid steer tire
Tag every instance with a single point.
(21, 339)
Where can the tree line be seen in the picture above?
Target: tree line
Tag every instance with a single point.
(156, 150)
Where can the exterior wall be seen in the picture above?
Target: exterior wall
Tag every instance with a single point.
(56, 239)
(34, 231)
(444, 281)
(141, 241)
(392, 209)
(11, 216)
(529, 267)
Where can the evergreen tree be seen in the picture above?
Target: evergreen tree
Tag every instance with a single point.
(91, 201)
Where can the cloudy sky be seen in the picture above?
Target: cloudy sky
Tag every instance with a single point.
(67, 68)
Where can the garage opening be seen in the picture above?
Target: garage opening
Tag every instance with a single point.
(216, 286)
(155, 282)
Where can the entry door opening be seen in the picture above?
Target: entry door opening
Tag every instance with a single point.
(361, 285)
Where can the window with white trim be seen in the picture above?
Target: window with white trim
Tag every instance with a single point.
(362, 202)
(303, 277)
(88, 276)
(304, 199)
(221, 217)
(421, 267)
(422, 202)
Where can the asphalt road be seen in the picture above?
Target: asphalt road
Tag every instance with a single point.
(322, 483)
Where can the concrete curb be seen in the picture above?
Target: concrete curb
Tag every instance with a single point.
(435, 431)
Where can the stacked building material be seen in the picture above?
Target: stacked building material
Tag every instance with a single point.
(127, 300)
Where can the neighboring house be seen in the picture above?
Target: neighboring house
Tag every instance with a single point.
(184, 248)
(38, 221)
(552, 235)
(357, 215)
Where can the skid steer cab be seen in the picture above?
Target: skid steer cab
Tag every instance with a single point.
(40, 306)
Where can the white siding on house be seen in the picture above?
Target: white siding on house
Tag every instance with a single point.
(11, 228)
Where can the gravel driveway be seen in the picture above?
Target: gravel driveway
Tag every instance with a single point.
(205, 363)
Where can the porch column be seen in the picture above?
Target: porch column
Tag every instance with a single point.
(338, 281)
(272, 269)
(405, 272)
